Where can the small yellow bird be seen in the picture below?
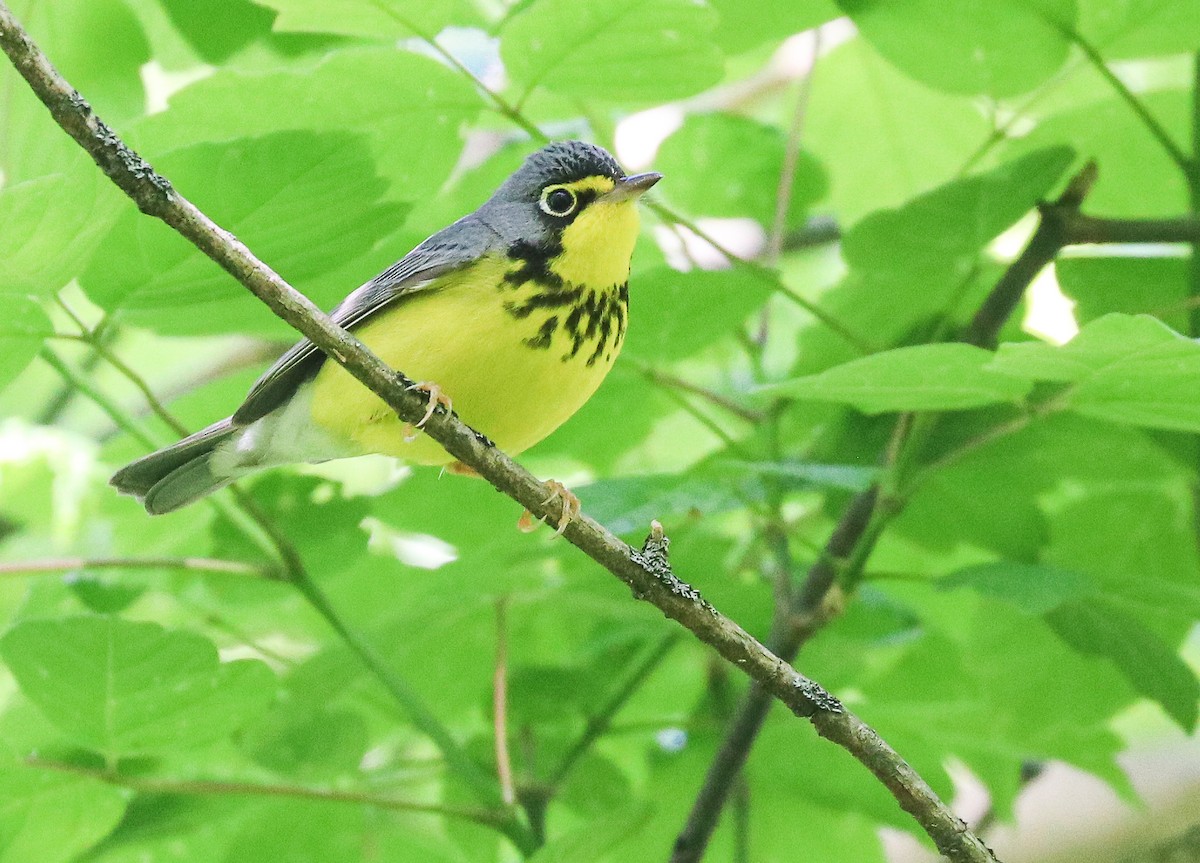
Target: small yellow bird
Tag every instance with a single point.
(516, 312)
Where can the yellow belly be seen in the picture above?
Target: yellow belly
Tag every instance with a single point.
(460, 337)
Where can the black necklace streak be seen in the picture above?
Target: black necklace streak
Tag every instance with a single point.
(593, 316)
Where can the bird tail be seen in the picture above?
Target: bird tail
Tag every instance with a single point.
(179, 474)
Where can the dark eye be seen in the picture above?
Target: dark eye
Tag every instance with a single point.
(557, 201)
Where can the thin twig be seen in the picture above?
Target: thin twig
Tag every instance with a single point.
(500, 705)
(600, 721)
(71, 564)
(107, 405)
(767, 275)
(101, 348)
(501, 104)
(1148, 120)
(791, 156)
(646, 571)
(1191, 173)
(722, 401)
(213, 787)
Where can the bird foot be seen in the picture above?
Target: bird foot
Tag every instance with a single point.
(436, 398)
(570, 508)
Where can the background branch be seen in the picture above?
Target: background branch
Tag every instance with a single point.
(857, 530)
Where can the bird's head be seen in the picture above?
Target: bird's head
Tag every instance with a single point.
(572, 202)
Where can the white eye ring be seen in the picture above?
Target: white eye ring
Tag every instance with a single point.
(558, 201)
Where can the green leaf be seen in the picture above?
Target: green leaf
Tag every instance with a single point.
(847, 477)
(1136, 539)
(53, 817)
(1122, 29)
(270, 192)
(52, 226)
(1033, 589)
(126, 688)
(1127, 369)
(375, 19)
(22, 330)
(1100, 628)
(879, 155)
(629, 504)
(746, 25)
(195, 828)
(675, 314)
(1137, 179)
(971, 50)
(1133, 286)
(421, 93)
(319, 742)
(942, 232)
(597, 840)
(922, 377)
(324, 527)
(626, 50)
(217, 29)
(729, 166)
(100, 48)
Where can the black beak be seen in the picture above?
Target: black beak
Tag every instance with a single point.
(633, 186)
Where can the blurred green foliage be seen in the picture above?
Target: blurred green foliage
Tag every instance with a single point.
(1041, 578)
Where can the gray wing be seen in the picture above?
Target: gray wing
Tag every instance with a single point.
(465, 241)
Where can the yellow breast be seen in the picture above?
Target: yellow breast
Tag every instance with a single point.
(515, 362)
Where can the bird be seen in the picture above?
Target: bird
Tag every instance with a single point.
(511, 317)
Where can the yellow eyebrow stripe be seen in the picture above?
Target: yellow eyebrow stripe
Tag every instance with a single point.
(596, 184)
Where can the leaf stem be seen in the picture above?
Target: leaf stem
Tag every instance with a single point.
(500, 705)
(213, 787)
(791, 155)
(194, 564)
(724, 402)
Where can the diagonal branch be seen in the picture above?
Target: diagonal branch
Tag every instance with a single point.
(646, 571)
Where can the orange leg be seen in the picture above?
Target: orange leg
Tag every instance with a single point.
(570, 508)
(459, 469)
(436, 398)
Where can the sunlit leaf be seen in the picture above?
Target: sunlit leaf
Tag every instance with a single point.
(51, 816)
(923, 377)
(729, 166)
(268, 191)
(132, 688)
(385, 19)
(1127, 369)
(22, 331)
(631, 50)
(407, 92)
(970, 51)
